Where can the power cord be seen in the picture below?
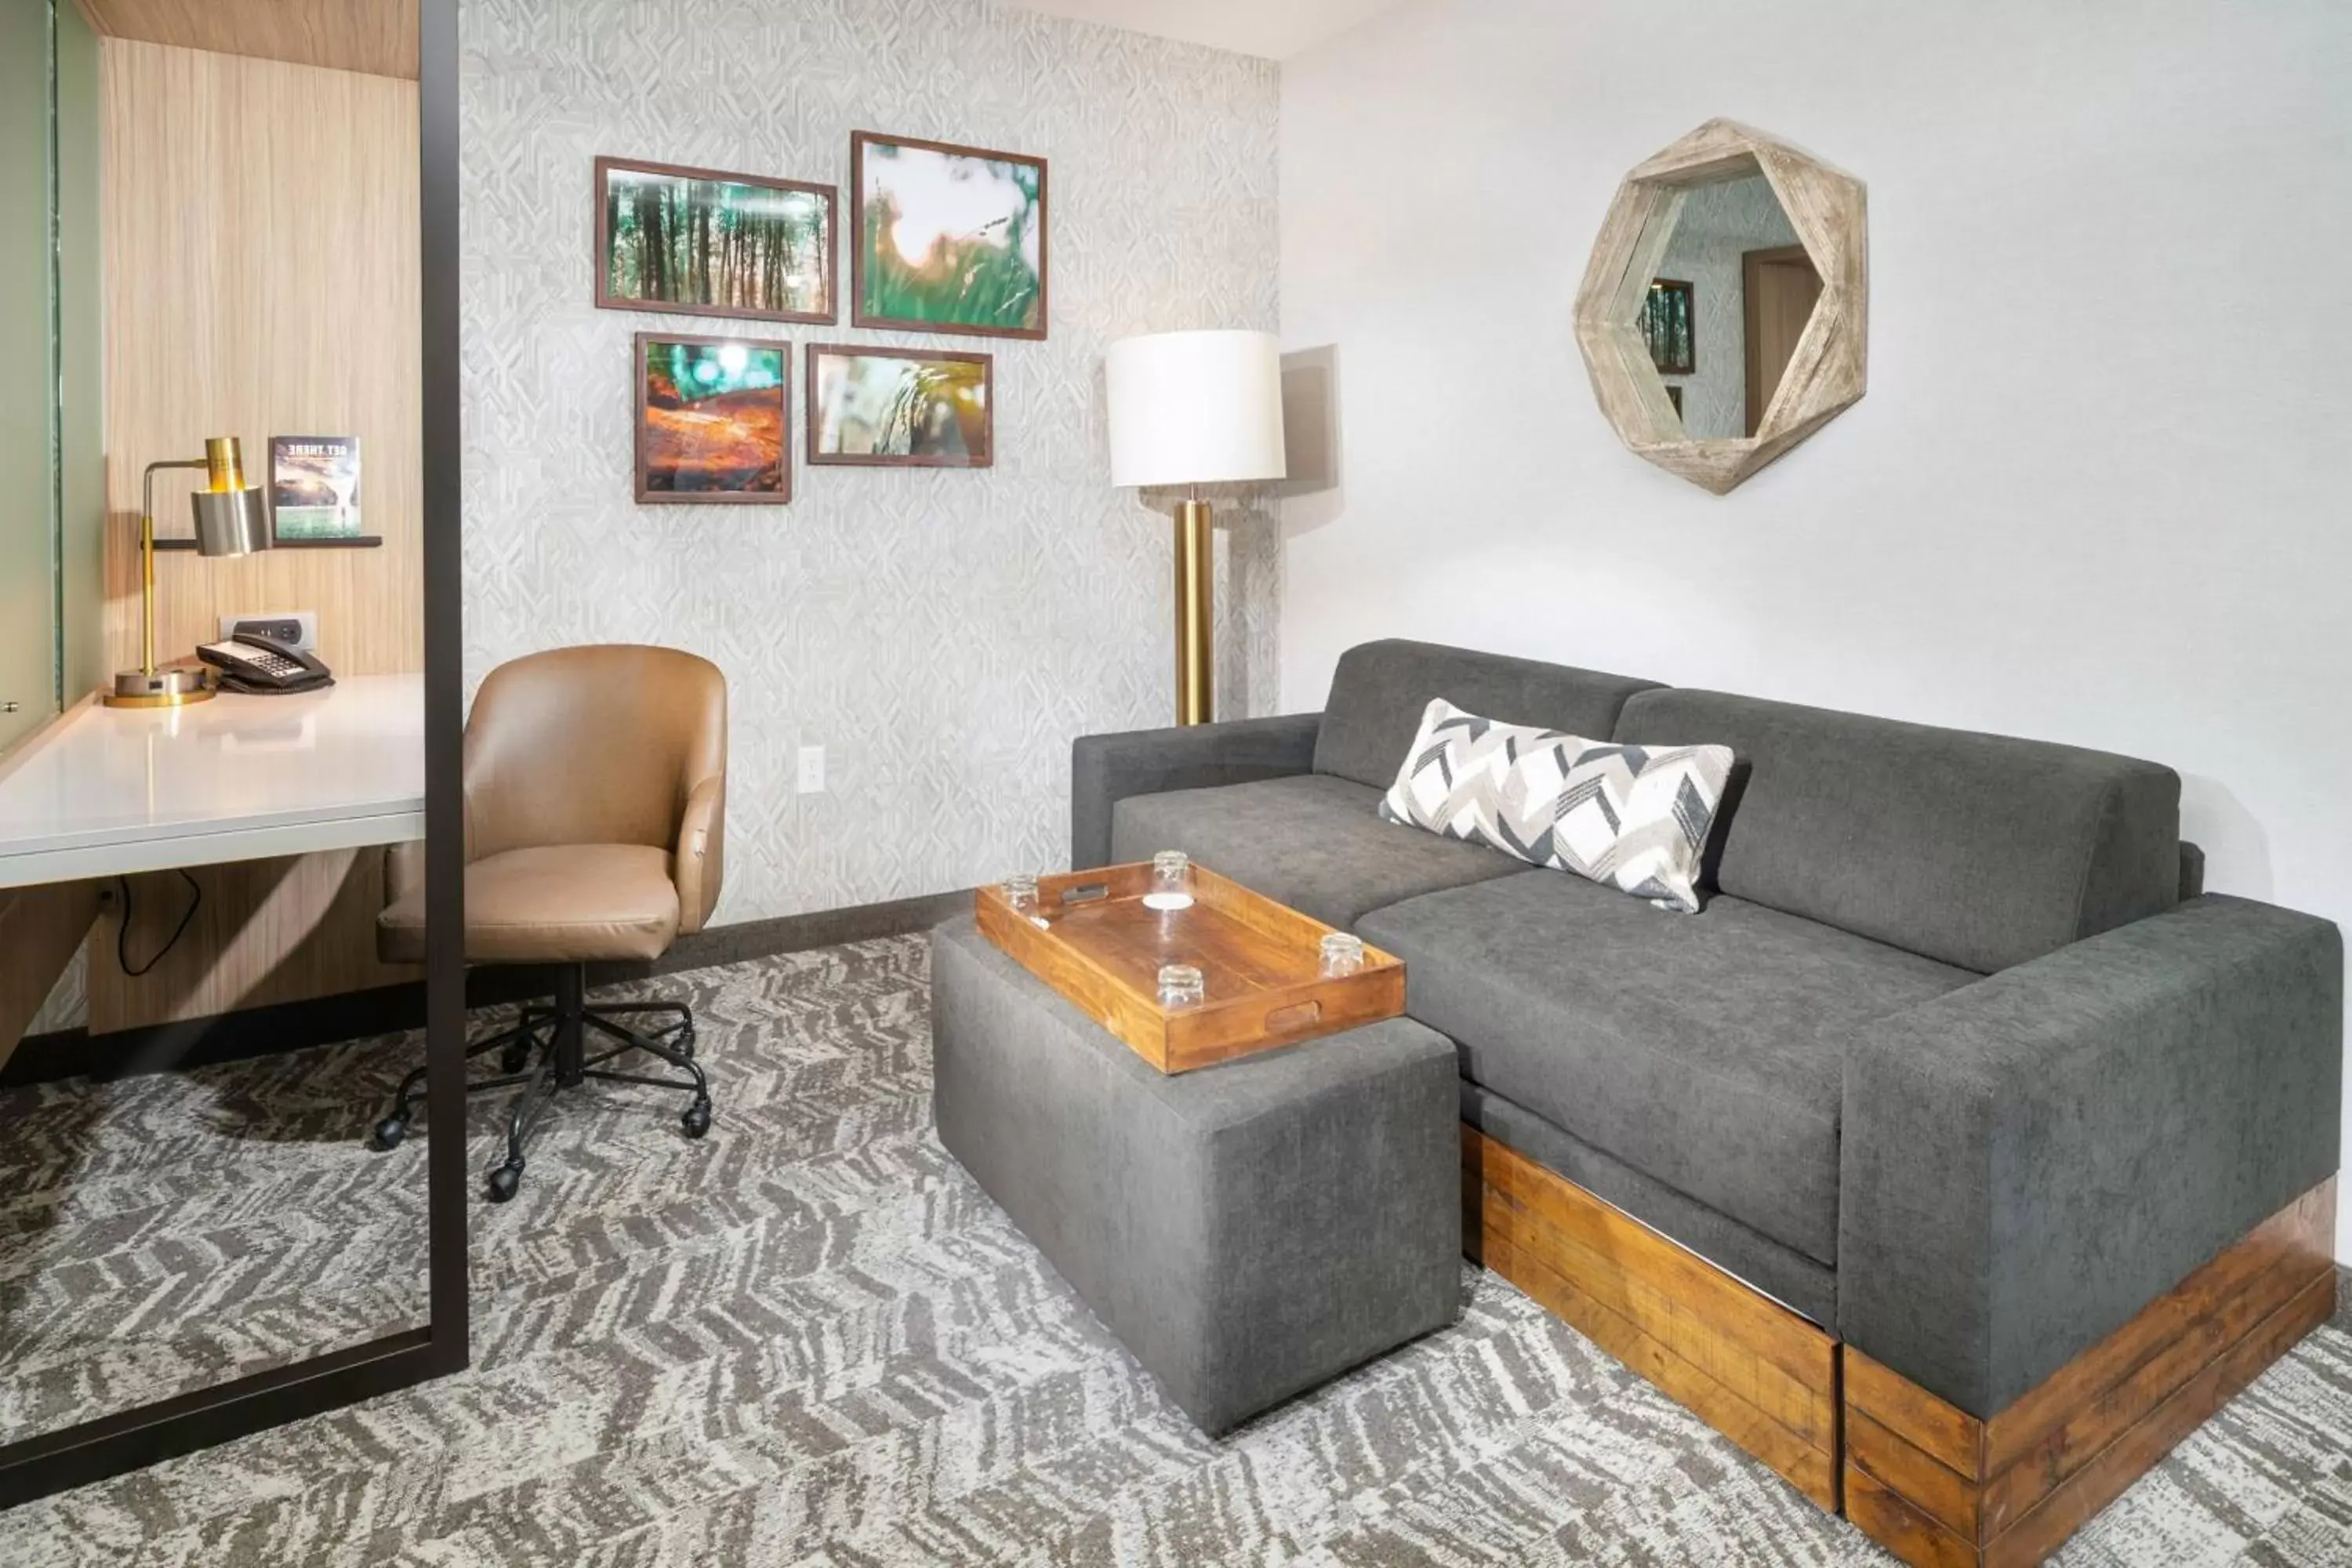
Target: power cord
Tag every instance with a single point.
(122, 931)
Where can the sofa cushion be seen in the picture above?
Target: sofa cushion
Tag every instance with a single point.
(1705, 1051)
(1980, 850)
(1380, 689)
(551, 903)
(1313, 842)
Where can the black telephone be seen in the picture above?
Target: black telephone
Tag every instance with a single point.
(264, 666)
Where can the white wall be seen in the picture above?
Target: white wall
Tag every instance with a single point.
(2097, 493)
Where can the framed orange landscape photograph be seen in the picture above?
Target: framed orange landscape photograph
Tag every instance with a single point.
(712, 417)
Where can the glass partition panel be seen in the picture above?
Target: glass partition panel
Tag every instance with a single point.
(204, 1228)
(79, 502)
(28, 583)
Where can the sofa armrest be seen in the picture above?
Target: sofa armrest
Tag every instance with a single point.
(1107, 769)
(2030, 1160)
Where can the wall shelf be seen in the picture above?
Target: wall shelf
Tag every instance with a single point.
(356, 541)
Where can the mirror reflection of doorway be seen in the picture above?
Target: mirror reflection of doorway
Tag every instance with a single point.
(1778, 288)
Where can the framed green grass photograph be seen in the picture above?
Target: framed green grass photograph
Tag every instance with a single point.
(902, 408)
(703, 242)
(946, 239)
(711, 418)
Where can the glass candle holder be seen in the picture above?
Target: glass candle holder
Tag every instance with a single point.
(1342, 954)
(1021, 892)
(1171, 881)
(1180, 985)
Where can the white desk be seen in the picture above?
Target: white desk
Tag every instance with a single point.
(111, 791)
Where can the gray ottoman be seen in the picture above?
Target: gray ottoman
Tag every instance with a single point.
(1247, 1231)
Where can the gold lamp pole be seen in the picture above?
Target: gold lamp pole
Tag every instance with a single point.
(1196, 575)
(231, 520)
(1195, 408)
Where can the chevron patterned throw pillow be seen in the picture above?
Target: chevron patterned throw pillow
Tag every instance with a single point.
(1635, 817)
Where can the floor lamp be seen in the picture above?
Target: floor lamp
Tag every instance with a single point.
(1192, 409)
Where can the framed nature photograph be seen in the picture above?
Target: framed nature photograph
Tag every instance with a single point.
(711, 418)
(702, 242)
(946, 239)
(1670, 328)
(904, 408)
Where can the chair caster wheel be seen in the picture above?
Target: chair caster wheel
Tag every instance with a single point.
(505, 1180)
(390, 1131)
(697, 1119)
(515, 1057)
(683, 1042)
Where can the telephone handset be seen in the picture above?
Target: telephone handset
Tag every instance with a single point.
(264, 666)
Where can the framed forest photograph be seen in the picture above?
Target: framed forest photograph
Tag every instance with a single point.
(712, 414)
(906, 408)
(1669, 325)
(704, 242)
(946, 239)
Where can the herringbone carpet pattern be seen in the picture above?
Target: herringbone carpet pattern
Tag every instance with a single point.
(811, 1341)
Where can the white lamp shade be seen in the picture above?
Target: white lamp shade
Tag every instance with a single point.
(1195, 408)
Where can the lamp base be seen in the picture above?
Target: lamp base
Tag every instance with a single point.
(171, 688)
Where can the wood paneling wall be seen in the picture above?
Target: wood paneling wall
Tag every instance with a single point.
(260, 239)
(40, 930)
(374, 36)
(260, 235)
(281, 930)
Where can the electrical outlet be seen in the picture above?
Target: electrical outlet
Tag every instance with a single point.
(297, 627)
(811, 770)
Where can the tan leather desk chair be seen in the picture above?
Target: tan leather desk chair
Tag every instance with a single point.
(596, 825)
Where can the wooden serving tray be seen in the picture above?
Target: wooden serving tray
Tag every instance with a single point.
(1261, 964)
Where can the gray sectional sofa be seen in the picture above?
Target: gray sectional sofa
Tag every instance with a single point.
(1957, 1061)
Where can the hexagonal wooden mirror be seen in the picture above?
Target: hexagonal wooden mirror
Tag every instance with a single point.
(1724, 316)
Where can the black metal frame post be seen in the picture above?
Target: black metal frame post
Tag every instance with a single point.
(445, 687)
(94, 1450)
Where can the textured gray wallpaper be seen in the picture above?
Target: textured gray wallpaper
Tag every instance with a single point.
(942, 634)
(1718, 223)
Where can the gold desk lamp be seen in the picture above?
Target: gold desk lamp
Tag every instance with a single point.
(1195, 408)
(231, 520)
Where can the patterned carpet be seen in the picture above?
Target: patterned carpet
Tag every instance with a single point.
(811, 1341)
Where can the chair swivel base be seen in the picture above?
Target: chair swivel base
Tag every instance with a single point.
(544, 1052)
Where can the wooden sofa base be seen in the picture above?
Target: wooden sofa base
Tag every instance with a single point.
(1757, 1372)
(1938, 1487)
